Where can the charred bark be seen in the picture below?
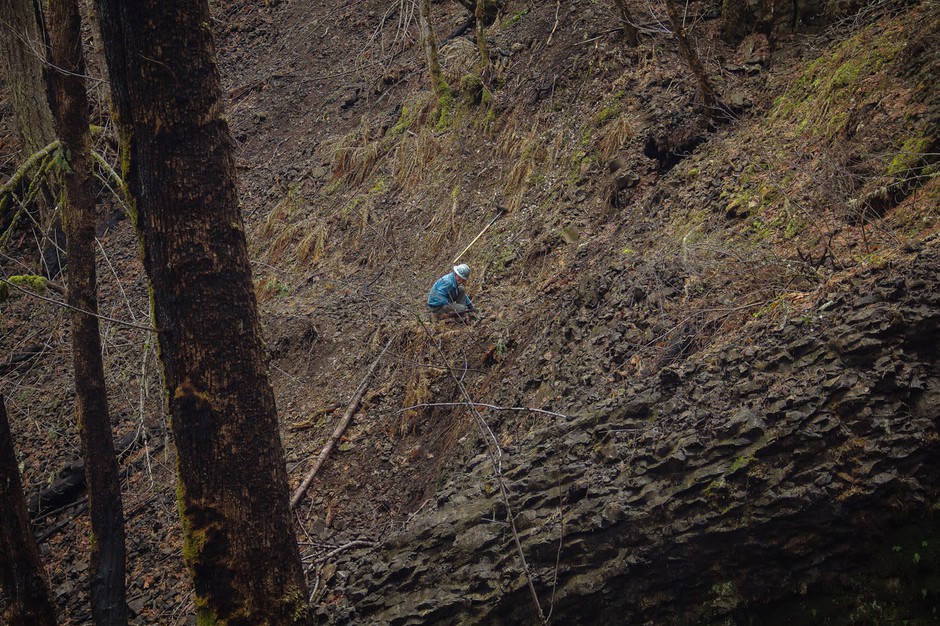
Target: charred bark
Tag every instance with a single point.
(70, 106)
(27, 600)
(233, 494)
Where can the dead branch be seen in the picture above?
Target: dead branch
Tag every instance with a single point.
(485, 406)
(340, 428)
(346, 546)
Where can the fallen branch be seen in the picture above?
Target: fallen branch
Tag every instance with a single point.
(18, 359)
(485, 406)
(70, 479)
(340, 428)
(346, 546)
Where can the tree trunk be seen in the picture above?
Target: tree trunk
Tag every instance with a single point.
(179, 167)
(27, 600)
(70, 106)
(626, 19)
(23, 49)
(479, 13)
(707, 102)
(445, 98)
(23, 52)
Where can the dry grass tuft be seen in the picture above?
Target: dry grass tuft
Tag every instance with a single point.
(413, 158)
(312, 247)
(613, 138)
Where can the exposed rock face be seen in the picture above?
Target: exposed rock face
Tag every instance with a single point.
(752, 475)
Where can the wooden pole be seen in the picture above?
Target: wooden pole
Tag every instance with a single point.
(485, 228)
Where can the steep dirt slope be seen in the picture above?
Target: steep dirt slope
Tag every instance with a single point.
(704, 281)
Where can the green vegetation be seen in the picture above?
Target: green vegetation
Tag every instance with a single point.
(606, 114)
(27, 282)
(513, 19)
(822, 100)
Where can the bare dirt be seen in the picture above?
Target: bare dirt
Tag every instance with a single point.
(631, 237)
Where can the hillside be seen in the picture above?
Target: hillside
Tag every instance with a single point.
(707, 360)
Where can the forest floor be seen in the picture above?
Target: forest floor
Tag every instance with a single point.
(630, 236)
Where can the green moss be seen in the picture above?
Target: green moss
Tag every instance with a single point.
(36, 284)
(405, 121)
(513, 19)
(445, 105)
(605, 115)
(910, 157)
(742, 461)
(831, 87)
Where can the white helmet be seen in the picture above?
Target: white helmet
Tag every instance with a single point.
(462, 270)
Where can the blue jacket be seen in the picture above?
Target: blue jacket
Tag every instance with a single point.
(445, 291)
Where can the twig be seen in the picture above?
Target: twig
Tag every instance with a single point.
(36, 157)
(81, 508)
(495, 453)
(561, 542)
(555, 27)
(338, 432)
(69, 306)
(483, 405)
(345, 546)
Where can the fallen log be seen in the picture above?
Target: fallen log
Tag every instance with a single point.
(70, 479)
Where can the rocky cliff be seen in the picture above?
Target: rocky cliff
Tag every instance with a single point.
(762, 482)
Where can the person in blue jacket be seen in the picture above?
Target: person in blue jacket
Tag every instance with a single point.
(448, 297)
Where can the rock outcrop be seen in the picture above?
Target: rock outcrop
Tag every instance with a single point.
(755, 477)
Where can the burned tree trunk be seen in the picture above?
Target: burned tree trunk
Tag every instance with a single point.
(70, 106)
(233, 493)
(26, 599)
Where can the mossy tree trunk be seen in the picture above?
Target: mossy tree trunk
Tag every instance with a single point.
(23, 50)
(479, 16)
(70, 108)
(707, 102)
(179, 166)
(442, 91)
(27, 599)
